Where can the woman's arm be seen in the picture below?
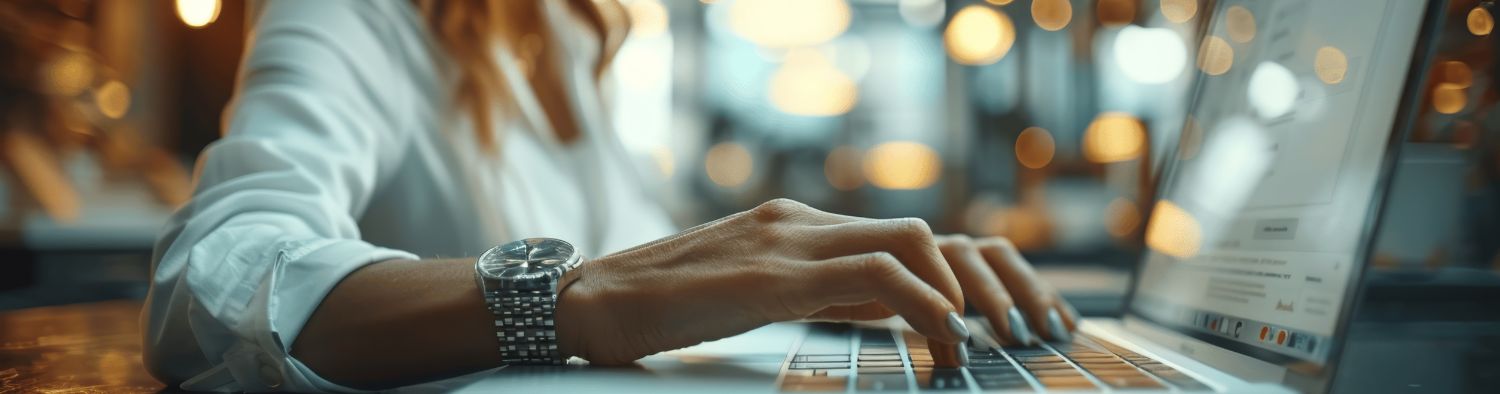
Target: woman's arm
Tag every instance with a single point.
(401, 322)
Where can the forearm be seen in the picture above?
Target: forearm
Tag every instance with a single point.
(400, 322)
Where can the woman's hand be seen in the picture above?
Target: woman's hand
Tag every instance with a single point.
(1001, 285)
(786, 261)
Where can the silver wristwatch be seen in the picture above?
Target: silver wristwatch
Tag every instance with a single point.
(520, 281)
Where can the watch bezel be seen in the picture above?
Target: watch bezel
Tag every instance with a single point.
(497, 264)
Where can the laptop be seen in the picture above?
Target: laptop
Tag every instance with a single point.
(1260, 230)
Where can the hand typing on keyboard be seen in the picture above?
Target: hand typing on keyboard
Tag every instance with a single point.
(786, 261)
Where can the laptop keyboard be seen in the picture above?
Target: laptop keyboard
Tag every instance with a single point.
(840, 358)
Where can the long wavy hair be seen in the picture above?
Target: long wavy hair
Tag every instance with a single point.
(469, 32)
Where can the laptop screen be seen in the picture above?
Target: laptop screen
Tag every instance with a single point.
(1261, 222)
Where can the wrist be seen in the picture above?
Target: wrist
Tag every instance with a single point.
(575, 302)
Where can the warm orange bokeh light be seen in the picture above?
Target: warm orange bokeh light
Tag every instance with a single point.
(728, 164)
(979, 35)
(1035, 147)
(1215, 57)
(902, 165)
(1052, 15)
(1173, 231)
(1179, 11)
(1331, 65)
(1239, 23)
(1114, 137)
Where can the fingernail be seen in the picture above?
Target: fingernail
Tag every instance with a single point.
(1018, 328)
(1055, 325)
(963, 353)
(956, 324)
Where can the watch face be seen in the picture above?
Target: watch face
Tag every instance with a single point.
(528, 260)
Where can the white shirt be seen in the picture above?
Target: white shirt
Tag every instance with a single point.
(343, 149)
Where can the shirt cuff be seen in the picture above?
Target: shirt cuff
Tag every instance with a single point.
(304, 273)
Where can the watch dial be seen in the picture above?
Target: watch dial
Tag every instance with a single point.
(527, 259)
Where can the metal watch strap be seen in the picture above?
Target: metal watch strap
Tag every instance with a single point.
(524, 325)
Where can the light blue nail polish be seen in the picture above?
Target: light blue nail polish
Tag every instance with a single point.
(963, 353)
(1055, 326)
(956, 324)
(1018, 328)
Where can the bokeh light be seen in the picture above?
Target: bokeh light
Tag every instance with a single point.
(1331, 65)
(1215, 56)
(789, 23)
(1114, 137)
(1273, 90)
(1150, 55)
(1035, 147)
(1239, 23)
(842, 168)
(1480, 21)
(1448, 99)
(198, 13)
(808, 84)
(1179, 11)
(1052, 15)
(902, 165)
(68, 74)
(1173, 231)
(728, 164)
(113, 99)
(979, 35)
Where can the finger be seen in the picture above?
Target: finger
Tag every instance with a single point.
(1032, 296)
(1069, 315)
(983, 289)
(880, 277)
(909, 240)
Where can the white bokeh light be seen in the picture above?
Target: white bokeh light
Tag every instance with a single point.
(1273, 90)
(1150, 55)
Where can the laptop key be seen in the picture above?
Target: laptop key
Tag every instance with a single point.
(882, 370)
(863, 350)
(893, 363)
(821, 358)
(1046, 366)
(881, 357)
(796, 365)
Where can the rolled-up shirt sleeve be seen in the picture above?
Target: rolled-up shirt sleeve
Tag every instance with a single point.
(272, 226)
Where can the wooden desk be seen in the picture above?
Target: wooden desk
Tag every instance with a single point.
(83, 348)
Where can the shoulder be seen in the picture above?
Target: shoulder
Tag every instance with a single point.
(376, 56)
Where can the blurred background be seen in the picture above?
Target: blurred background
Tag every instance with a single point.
(1044, 121)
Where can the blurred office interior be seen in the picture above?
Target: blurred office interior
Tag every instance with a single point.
(1044, 121)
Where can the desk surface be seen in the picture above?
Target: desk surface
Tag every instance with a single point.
(84, 348)
(96, 348)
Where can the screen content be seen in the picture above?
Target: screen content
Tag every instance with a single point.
(1252, 245)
